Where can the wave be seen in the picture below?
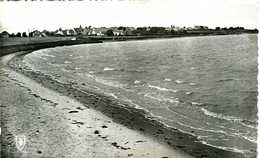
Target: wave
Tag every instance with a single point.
(193, 84)
(109, 69)
(109, 83)
(123, 70)
(137, 82)
(179, 81)
(67, 62)
(227, 118)
(49, 55)
(188, 93)
(176, 100)
(162, 89)
(196, 104)
(112, 95)
(167, 79)
(236, 150)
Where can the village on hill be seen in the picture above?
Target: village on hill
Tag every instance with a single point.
(130, 31)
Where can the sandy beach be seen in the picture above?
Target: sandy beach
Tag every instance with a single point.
(58, 126)
(64, 120)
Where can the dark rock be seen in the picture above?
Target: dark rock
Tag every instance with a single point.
(123, 148)
(39, 152)
(104, 126)
(78, 123)
(79, 108)
(96, 132)
(73, 111)
(115, 144)
(180, 146)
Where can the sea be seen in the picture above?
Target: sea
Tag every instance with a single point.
(204, 86)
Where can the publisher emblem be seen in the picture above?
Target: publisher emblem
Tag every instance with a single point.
(20, 142)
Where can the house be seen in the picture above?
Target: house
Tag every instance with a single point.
(4, 34)
(36, 33)
(129, 31)
(86, 31)
(101, 31)
(118, 32)
(46, 33)
(59, 32)
(72, 32)
(201, 27)
(79, 30)
(92, 32)
(69, 32)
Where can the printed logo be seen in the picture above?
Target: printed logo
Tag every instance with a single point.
(20, 142)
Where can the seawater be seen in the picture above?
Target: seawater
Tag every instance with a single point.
(204, 86)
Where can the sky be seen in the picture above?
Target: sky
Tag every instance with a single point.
(51, 15)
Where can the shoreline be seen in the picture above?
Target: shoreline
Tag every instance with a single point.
(36, 45)
(135, 119)
(57, 126)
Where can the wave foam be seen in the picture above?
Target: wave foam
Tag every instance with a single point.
(67, 62)
(162, 99)
(179, 81)
(167, 79)
(162, 89)
(227, 118)
(108, 69)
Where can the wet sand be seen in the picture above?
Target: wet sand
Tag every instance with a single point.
(56, 125)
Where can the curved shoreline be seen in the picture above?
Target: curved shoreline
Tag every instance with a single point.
(132, 118)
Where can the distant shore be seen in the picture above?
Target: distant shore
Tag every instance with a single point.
(14, 44)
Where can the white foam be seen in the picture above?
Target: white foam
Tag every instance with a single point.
(179, 81)
(219, 116)
(48, 55)
(109, 83)
(112, 95)
(251, 139)
(137, 82)
(224, 117)
(236, 150)
(195, 103)
(167, 79)
(108, 69)
(188, 93)
(162, 89)
(162, 99)
(136, 105)
(67, 62)
(193, 84)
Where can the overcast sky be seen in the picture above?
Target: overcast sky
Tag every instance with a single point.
(24, 16)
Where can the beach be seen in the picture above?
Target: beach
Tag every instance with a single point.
(59, 126)
(70, 104)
